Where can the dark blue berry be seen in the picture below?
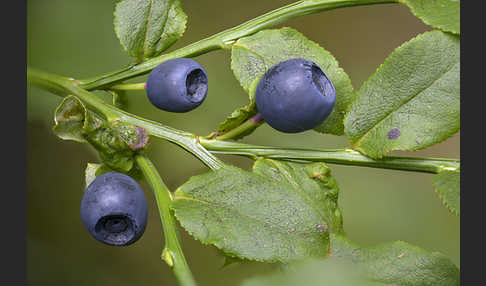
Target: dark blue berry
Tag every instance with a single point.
(177, 85)
(294, 96)
(114, 209)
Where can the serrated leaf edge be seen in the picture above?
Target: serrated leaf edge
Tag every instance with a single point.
(365, 83)
(443, 200)
(414, 12)
(226, 252)
(177, 194)
(178, 6)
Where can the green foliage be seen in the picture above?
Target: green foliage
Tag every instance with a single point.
(69, 119)
(282, 211)
(314, 272)
(146, 28)
(412, 101)
(447, 186)
(115, 141)
(440, 14)
(398, 263)
(251, 56)
(279, 212)
(241, 115)
(395, 263)
(94, 170)
(90, 173)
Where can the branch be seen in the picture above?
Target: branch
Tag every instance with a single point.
(199, 146)
(336, 156)
(224, 39)
(172, 253)
(63, 86)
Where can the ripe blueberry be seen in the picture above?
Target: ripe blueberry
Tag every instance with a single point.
(294, 96)
(114, 209)
(177, 85)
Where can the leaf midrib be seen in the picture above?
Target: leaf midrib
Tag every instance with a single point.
(304, 195)
(146, 29)
(164, 25)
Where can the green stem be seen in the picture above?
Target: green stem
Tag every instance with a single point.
(199, 146)
(224, 39)
(64, 86)
(172, 253)
(250, 124)
(128, 86)
(338, 156)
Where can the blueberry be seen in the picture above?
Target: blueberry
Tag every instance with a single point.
(114, 209)
(177, 85)
(294, 96)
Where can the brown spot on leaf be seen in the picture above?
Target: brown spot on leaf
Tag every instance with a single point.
(393, 134)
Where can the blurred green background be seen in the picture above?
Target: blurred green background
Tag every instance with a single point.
(75, 38)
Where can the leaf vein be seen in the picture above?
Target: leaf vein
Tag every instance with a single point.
(296, 189)
(403, 104)
(294, 233)
(146, 29)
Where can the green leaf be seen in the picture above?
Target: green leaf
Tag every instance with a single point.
(90, 173)
(69, 119)
(252, 56)
(241, 115)
(440, 14)
(75, 122)
(314, 272)
(398, 263)
(94, 170)
(146, 28)
(279, 212)
(228, 260)
(412, 100)
(447, 186)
